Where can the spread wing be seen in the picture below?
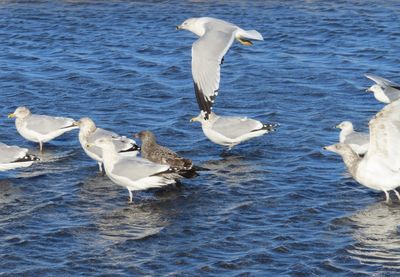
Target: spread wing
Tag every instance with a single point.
(382, 81)
(207, 54)
(385, 135)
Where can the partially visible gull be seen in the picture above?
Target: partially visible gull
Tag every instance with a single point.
(154, 152)
(89, 132)
(134, 173)
(379, 169)
(12, 157)
(231, 130)
(356, 140)
(40, 128)
(384, 90)
(216, 37)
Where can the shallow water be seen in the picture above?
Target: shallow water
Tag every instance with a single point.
(276, 205)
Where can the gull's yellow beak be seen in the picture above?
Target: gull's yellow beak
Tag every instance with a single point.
(337, 126)
(88, 145)
(178, 27)
(193, 119)
(76, 123)
(11, 115)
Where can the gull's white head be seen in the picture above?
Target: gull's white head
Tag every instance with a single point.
(20, 112)
(378, 93)
(345, 126)
(194, 25)
(86, 125)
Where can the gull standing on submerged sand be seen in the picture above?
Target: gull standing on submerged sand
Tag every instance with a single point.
(384, 90)
(379, 169)
(216, 37)
(88, 133)
(156, 153)
(12, 157)
(40, 128)
(134, 173)
(356, 140)
(231, 130)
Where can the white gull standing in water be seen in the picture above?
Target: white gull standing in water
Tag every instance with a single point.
(134, 173)
(216, 37)
(40, 128)
(379, 169)
(384, 90)
(89, 132)
(12, 157)
(356, 140)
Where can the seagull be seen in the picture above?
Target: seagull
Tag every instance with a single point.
(40, 128)
(216, 37)
(379, 169)
(356, 140)
(89, 132)
(12, 157)
(384, 90)
(229, 131)
(134, 173)
(159, 154)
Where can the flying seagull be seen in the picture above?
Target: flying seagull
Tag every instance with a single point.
(216, 37)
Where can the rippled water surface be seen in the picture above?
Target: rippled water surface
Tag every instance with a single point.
(276, 205)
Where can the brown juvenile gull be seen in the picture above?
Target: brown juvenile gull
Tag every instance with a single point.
(160, 154)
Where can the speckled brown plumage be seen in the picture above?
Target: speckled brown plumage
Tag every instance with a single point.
(160, 154)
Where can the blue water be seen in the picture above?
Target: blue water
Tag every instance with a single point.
(276, 205)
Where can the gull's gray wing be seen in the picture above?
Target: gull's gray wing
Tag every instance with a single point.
(9, 154)
(101, 133)
(121, 143)
(207, 54)
(357, 138)
(44, 124)
(234, 127)
(385, 135)
(135, 168)
(382, 81)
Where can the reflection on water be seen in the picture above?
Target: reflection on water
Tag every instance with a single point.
(133, 221)
(376, 232)
(51, 161)
(233, 168)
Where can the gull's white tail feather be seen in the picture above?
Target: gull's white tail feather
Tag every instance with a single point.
(249, 34)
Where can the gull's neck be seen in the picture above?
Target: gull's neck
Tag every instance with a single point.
(20, 120)
(110, 155)
(198, 27)
(85, 132)
(351, 160)
(344, 133)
